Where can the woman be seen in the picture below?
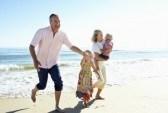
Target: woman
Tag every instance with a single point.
(99, 62)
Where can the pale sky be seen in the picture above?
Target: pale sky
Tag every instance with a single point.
(134, 24)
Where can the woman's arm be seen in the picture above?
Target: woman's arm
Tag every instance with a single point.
(96, 59)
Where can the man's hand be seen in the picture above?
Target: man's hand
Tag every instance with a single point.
(33, 54)
(84, 54)
(37, 64)
(77, 50)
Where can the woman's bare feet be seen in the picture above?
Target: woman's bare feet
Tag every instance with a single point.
(99, 98)
(58, 109)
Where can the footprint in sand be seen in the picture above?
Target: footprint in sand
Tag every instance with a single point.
(99, 106)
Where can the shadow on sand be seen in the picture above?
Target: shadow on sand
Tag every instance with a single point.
(77, 109)
(14, 111)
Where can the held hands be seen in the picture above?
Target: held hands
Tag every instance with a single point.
(84, 54)
(97, 72)
(97, 68)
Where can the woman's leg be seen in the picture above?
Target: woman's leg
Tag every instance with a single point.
(98, 94)
(103, 76)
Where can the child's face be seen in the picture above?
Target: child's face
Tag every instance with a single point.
(108, 38)
(88, 56)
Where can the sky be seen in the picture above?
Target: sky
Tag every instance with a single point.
(134, 24)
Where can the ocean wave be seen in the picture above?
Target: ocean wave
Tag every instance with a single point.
(26, 67)
(16, 67)
(75, 63)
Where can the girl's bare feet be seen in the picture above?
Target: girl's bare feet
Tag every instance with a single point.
(85, 105)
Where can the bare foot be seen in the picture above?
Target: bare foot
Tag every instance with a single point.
(33, 95)
(85, 105)
(58, 109)
(99, 98)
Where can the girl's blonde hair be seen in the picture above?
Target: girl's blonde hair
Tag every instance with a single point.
(95, 34)
(88, 51)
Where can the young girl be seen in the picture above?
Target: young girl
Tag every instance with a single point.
(84, 87)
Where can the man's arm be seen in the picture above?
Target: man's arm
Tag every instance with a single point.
(34, 57)
(77, 50)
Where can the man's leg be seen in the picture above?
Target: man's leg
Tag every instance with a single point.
(33, 95)
(55, 75)
(57, 98)
(43, 76)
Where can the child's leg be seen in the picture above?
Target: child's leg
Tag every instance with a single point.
(86, 98)
(85, 103)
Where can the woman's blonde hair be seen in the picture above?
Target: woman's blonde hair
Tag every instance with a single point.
(95, 34)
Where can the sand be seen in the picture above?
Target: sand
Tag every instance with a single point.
(142, 96)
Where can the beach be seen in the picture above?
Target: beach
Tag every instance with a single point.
(136, 83)
(49, 46)
(145, 96)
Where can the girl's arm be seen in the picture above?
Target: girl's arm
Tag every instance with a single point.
(112, 47)
(95, 70)
(96, 61)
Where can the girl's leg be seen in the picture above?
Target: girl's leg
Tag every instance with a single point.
(85, 103)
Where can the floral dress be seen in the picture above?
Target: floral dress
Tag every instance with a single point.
(84, 86)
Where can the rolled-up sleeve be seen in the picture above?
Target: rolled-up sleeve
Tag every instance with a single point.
(66, 41)
(36, 39)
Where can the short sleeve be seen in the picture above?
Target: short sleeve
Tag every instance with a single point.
(36, 39)
(95, 48)
(66, 41)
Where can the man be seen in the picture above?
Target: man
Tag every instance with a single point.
(49, 41)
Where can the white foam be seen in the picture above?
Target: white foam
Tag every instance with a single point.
(20, 83)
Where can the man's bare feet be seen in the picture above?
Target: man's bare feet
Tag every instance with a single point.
(58, 109)
(33, 95)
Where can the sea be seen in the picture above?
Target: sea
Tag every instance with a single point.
(18, 76)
